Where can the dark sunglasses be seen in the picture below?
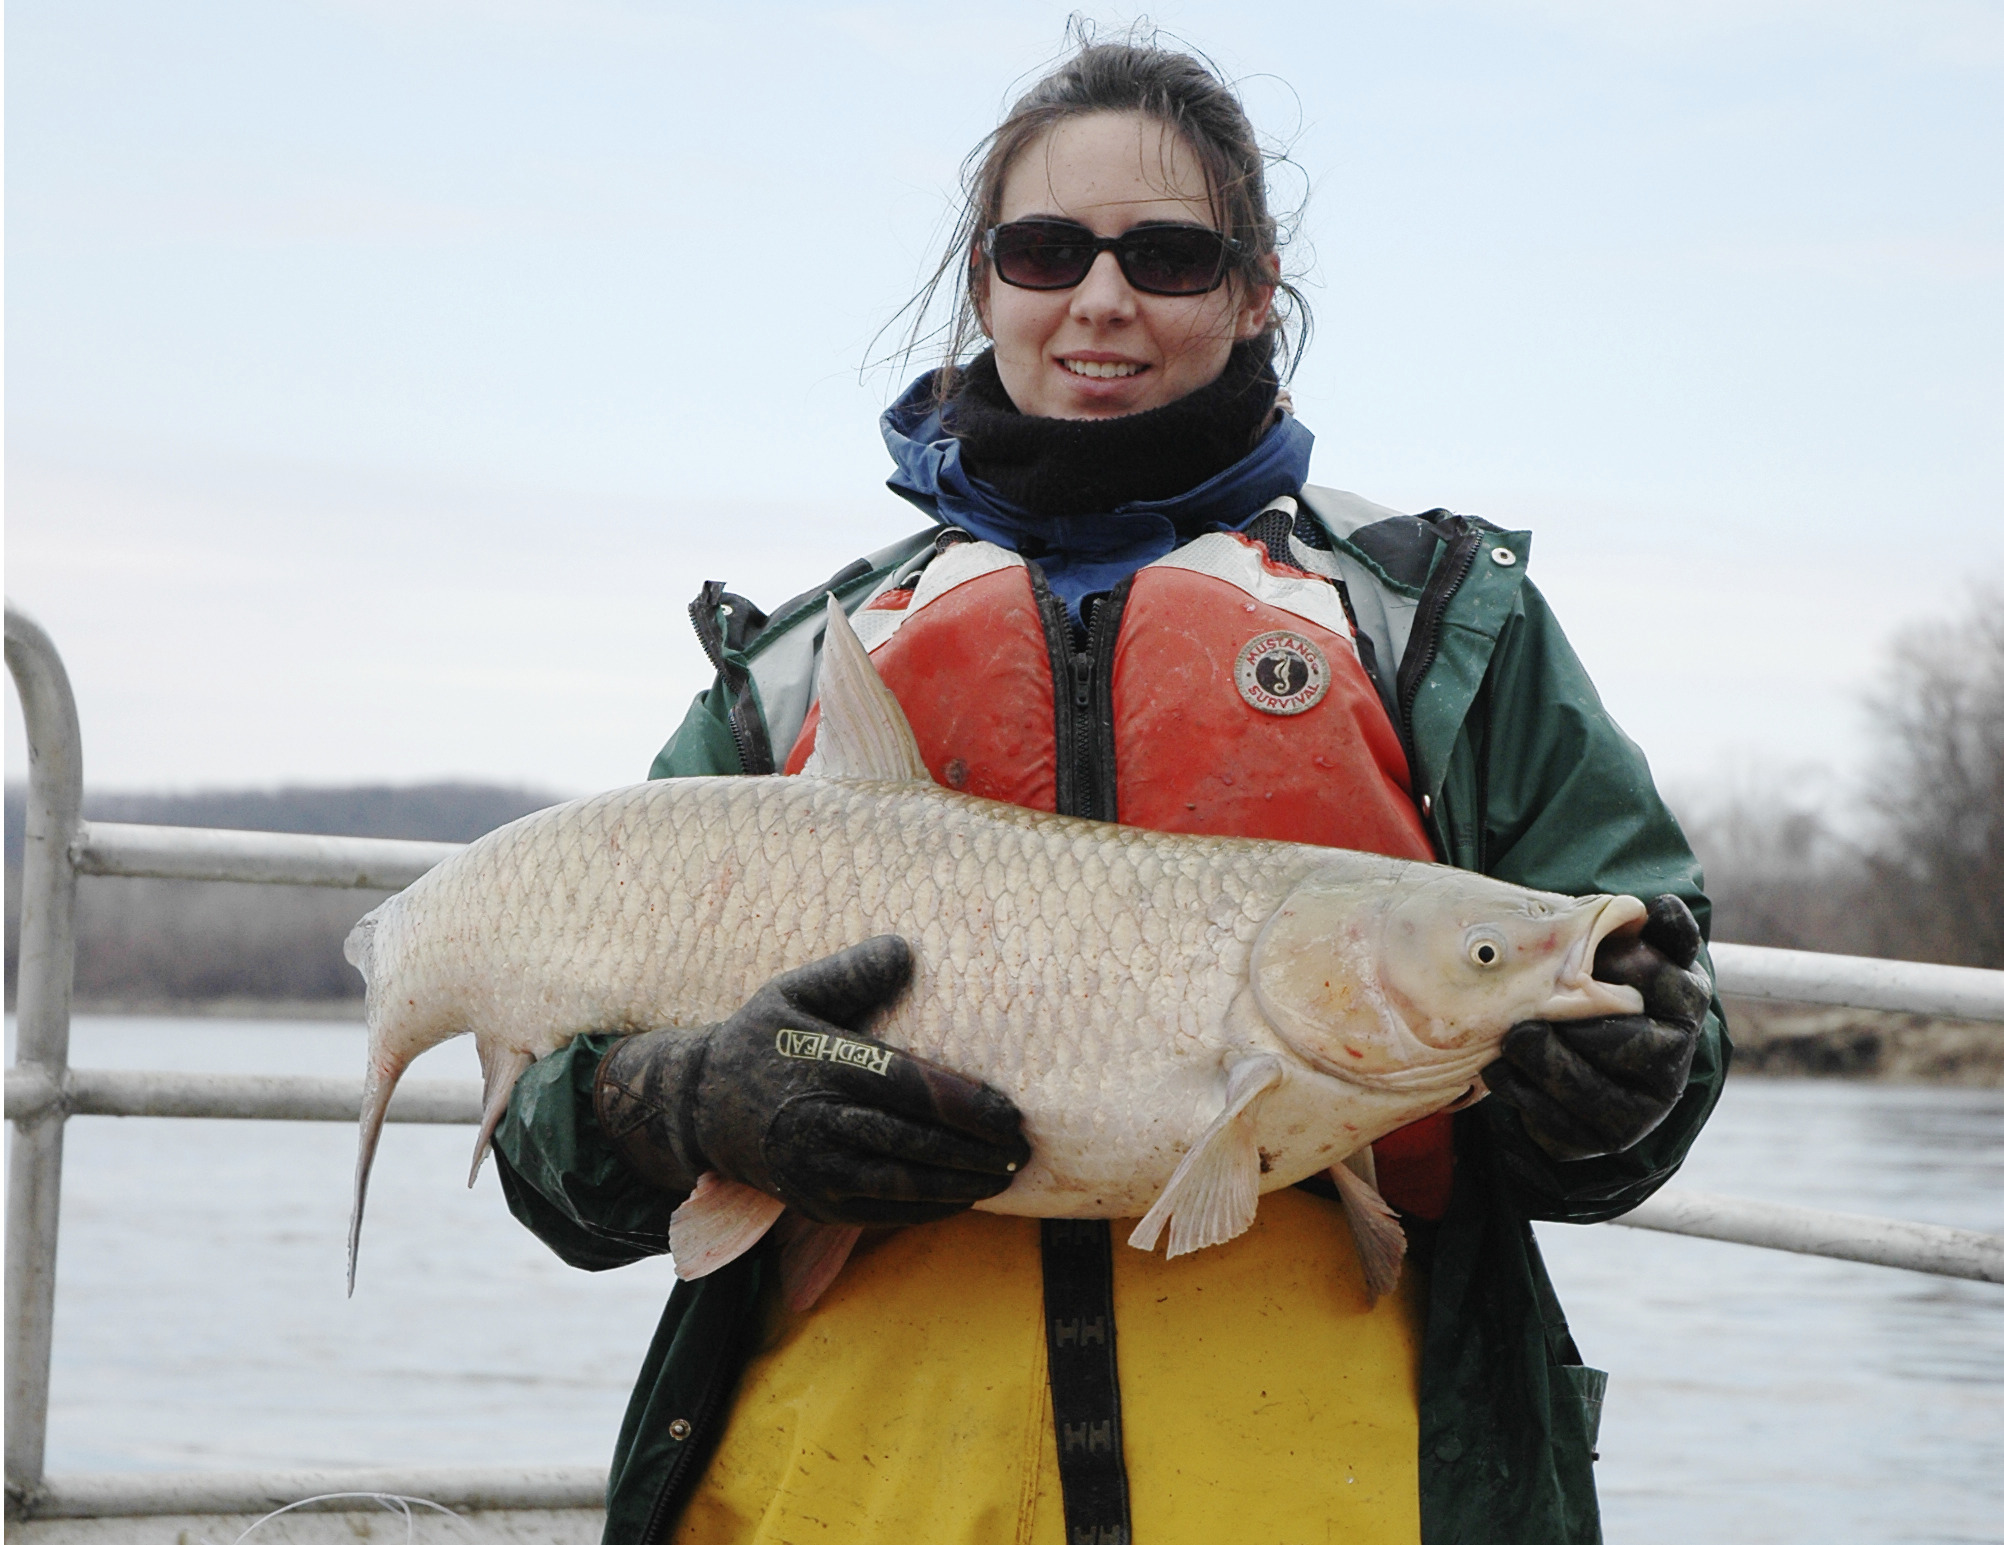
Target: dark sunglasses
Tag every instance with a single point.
(1155, 259)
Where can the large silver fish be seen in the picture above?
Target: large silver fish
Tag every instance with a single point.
(1186, 1022)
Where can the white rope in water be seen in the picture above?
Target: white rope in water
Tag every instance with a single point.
(390, 1502)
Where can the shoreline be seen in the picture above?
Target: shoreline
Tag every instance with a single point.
(1786, 1040)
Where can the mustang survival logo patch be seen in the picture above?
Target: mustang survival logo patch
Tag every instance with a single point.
(1282, 673)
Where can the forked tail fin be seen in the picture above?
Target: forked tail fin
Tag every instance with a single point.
(379, 1082)
(377, 1087)
(360, 948)
(500, 1066)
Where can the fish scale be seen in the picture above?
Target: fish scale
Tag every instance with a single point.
(671, 903)
(1184, 1021)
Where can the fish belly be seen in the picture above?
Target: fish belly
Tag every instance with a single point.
(1089, 970)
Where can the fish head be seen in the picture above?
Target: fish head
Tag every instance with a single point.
(1416, 977)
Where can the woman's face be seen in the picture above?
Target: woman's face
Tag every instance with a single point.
(1111, 172)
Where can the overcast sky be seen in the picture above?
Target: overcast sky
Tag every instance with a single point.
(384, 378)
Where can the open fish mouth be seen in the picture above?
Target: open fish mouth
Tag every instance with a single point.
(1579, 993)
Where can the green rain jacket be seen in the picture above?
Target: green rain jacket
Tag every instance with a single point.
(1521, 774)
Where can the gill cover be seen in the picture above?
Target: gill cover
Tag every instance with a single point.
(1412, 985)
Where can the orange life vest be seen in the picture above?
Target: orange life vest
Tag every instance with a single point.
(1217, 692)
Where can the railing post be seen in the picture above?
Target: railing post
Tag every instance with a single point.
(42, 1035)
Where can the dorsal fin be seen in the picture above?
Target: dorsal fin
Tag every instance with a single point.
(863, 732)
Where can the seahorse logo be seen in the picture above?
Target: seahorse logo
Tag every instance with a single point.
(1282, 673)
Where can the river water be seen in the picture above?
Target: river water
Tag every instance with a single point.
(1756, 1397)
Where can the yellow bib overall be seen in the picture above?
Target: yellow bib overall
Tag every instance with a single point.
(1262, 1398)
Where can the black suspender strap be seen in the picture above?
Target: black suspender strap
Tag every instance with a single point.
(1085, 1380)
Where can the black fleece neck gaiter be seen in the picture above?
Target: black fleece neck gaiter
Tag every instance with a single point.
(1072, 467)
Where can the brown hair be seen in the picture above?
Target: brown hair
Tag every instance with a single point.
(1177, 89)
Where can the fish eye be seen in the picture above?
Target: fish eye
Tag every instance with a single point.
(1485, 950)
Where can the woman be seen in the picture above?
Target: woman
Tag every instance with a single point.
(1132, 606)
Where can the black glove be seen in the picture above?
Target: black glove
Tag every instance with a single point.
(1586, 1087)
(785, 1097)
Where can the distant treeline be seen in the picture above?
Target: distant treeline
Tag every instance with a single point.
(1924, 881)
(1918, 872)
(171, 941)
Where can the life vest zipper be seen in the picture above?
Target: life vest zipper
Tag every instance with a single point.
(1101, 639)
(1083, 781)
(1067, 722)
(1082, 693)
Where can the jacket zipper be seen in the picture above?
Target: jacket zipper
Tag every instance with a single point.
(1424, 643)
(703, 612)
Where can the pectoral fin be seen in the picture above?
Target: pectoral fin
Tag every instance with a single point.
(1214, 1194)
(1381, 1239)
(719, 1222)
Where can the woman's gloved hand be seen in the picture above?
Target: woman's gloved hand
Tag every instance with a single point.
(785, 1096)
(1587, 1087)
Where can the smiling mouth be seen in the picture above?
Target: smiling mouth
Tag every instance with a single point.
(1101, 369)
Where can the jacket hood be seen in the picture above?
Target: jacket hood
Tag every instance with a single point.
(1083, 554)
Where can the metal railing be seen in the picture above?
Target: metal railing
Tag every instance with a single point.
(43, 1091)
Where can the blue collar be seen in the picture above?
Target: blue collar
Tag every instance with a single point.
(1081, 555)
